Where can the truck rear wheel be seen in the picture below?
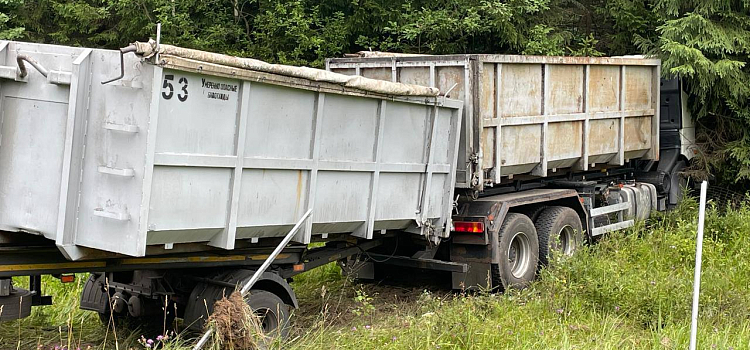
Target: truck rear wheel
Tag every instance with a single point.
(560, 232)
(519, 251)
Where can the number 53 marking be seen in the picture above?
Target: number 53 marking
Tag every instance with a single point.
(169, 92)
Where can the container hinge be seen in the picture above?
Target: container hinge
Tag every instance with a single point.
(427, 228)
(475, 178)
(111, 215)
(128, 128)
(53, 77)
(474, 157)
(20, 73)
(13, 73)
(59, 77)
(116, 171)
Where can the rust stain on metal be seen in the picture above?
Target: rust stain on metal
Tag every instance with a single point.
(447, 76)
(637, 133)
(377, 73)
(603, 136)
(556, 94)
(521, 144)
(604, 88)
(488, 148)
(566, 87)
(638, 87)
(487, 94)
(521, 90)
(299, 192)
(635, 61)
(414, 75)
(564, 141)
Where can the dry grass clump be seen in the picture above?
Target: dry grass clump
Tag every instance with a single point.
(235, 324)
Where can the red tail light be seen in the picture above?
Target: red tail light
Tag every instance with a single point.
(67, 278)
(468, 226)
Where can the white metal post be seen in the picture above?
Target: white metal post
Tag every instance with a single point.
(698, 258)
(158, 40)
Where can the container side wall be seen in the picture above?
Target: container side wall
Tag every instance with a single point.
(195, 155)
(360, 163)
(520, 90)
(537, 115)
(444, 75)
(272, 200)
(32, 136)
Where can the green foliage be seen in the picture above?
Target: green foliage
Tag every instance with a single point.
(631, 21)
(290, 32)
(304, 32)
(8, 30)
(708, 44)
(543, 40)
(363, 302)
(631, 290)
(587, 47)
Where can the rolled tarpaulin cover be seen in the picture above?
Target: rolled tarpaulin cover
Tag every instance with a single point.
(148, 49)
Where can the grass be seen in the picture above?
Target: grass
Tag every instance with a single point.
(631, 290)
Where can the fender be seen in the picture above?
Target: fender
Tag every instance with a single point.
(205, 294)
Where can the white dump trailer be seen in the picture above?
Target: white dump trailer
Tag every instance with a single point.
(183, 149)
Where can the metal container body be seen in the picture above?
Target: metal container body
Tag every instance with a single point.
(192, 152)
(536, 115)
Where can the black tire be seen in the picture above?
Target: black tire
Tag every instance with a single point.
(273, 312)
(519, 251)
(678, 182)
(533, 211)
(119, 319)
(560, 231)
(15, 306)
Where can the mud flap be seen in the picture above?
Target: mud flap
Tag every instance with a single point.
(479, 277)
(93, 297)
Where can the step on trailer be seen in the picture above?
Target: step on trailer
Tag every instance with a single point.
(170, 174)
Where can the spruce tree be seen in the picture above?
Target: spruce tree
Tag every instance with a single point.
(707, 43)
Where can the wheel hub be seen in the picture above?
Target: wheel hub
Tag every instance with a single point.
(268, 320)
(563, 242)
(519, 255)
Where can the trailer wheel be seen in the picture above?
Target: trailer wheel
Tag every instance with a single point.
(519, 251)
(560, 231)
(16, 306)
(272, 311)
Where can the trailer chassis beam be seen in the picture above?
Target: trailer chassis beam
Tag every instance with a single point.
(427, 264)
(320, 256)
